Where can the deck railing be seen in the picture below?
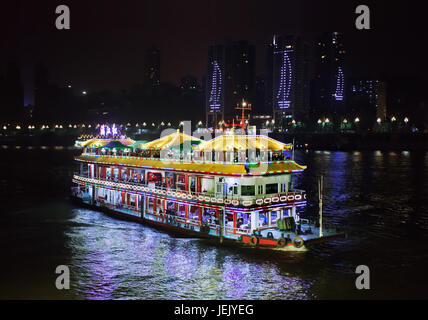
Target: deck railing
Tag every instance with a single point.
(285, 197)
(184, 160)
(214, 228)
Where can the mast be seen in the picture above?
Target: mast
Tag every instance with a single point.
(320, 190)
(292, 155)
(243, 106)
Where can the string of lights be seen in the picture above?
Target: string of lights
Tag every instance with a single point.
(286, 75)
(340, 82)
(216, 83)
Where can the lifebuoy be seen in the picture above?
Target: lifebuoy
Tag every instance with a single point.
(299, 243)
(254, 240)
(281, 242)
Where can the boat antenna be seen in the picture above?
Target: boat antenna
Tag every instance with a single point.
(320, 191)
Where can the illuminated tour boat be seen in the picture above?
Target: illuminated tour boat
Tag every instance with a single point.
(233, 189)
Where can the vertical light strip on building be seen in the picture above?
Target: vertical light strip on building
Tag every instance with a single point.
(283, 96)
(216, 84)
(340, 81)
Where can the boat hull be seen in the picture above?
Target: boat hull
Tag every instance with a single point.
(179, 232)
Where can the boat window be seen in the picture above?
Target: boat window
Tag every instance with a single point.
(260, 189)
(159, 206)
(171, 208)
(248, 190)
(150, 205)
(243, 222)
(154, 177)
(209, 216)
(123, 174)
(194, 213)
(272, 188)
(181, 210)
(181, 182)
(274, 215)
(193, 184)
(262, 220)
(229, 221)
(132, 199)
(115, 173)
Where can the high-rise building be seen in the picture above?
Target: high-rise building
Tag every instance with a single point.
(259, 103)
(367, 101)
(189, 83)
(288, 73)
(152, 67)
(240, 77)
(328, 87)
(215, 85)
(231, 79)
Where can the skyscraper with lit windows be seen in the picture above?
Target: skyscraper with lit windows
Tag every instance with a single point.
(231, 79)
(367, 101)
(329, 86)
(215, 85)
(288, 78)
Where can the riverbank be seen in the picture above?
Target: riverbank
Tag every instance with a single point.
(310, 141)
(356, 142)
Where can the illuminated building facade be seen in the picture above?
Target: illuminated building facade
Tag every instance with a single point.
(287, 78)
(368, 100)
(329, 86)
(215, 85)
(231, 78)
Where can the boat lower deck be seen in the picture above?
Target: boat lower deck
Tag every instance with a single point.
(268, 237)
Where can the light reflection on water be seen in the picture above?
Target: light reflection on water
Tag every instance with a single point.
(117, 259)
(381, 197)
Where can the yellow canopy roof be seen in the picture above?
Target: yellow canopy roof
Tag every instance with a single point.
(127, 141)
(206, 168)
(96, 143)
(243, 142)
(173, 140)
(93, 143)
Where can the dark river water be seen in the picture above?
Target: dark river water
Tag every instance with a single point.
(381, 198)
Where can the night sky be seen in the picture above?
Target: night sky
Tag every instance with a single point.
(105, 47)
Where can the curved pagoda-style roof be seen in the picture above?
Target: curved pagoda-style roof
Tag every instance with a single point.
(127, 141)
(115, 144)
(176, 140)
(243, 142)
(95, 143)
(137, 144)
(98, 143)
(205, 168)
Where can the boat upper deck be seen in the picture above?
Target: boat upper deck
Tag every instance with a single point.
(223, 169)
(227, 155)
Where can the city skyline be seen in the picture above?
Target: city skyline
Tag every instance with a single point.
(313, 74)
(110, 47)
